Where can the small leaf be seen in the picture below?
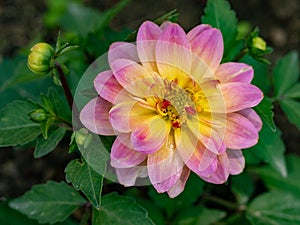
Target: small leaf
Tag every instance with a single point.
(291, 183)
(274, 208)
(270, 149)
(170, 16)
(118, 209)
(44, 146)
(199, 216)
(16, 127)
(48, 203)
(89, 92)
(219, 14)
(286, 73)
(293, 92)
(96, 154)
(84, 178)
(292, 110)
(264, 109)
(68, 49)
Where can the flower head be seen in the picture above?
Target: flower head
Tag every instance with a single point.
(39, 59)
(174, 108)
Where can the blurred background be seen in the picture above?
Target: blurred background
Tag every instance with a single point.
(23, 23)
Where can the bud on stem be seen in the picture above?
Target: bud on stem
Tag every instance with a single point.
(40, 58)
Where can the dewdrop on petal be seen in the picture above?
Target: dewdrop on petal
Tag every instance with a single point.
(39, 59)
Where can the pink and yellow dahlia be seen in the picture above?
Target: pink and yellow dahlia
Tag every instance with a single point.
(174, 108)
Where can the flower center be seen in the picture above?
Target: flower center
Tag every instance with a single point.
(178, 104)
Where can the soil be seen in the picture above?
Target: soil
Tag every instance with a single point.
(21, 21)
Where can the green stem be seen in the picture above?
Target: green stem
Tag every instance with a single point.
(241, 55)
(222, 202)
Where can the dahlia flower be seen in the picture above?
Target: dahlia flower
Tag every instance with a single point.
(174, 108)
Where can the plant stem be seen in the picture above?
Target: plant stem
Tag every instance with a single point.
(241, 55)
(222, 202)
(65, 85)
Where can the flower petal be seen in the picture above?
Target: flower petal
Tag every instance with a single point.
(122, 155)
(147, 36)
(236, 161)
(150, 135)
(240, 132)
(207, 43)
(165, 166)
(179, 185)
(135, 79)
(122, 50)
(238, 96)
(109, 88)
(128, 176)
(125, 116)
(252, 116)
(173, 54)
(208, 134)
(212, 100)
(234, 72)
(197, 157)
(221, 173)
(94, 116)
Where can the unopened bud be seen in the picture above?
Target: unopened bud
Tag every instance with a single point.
(259, 43)
(38, 115)
(83, 137)
(40, 57)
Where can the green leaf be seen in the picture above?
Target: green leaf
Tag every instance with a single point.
(191, 193)
(18, 82)
(243, 187)
(84, 178)
(44, 146)
(292, 110)
(96, 154)
(16, 127)
(264, 109)
(108, 15)
(274, 208)
(290, 183)
(270, 149)
(293, 92)
(84, 20)
(199, 216)
(236, 219)
(261, 78)
(286, 73)
(155, 213)
(58, 105)
(48, 203)
(219, 14)
(80, 19)
(9, 216)
(116, 209)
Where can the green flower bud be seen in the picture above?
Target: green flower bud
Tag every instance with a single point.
(38, 115)
(83, 138)
(39, 59)
(259, 43)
